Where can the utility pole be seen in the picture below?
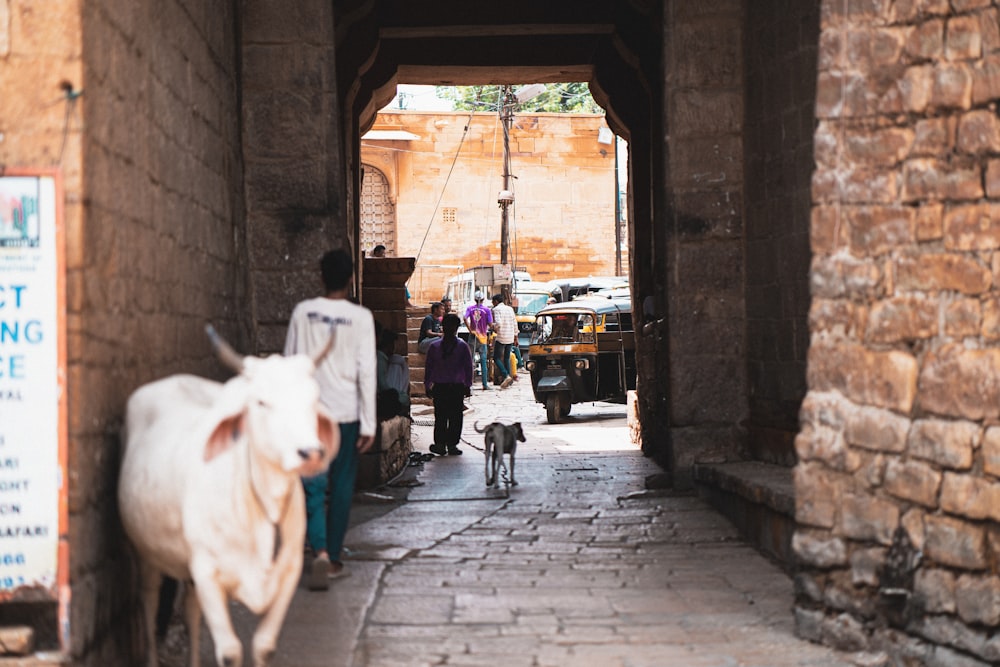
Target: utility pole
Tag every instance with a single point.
(618, 214)
(506, 197)
(508, 101)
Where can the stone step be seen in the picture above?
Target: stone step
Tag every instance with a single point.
(758, 498)
(16, 640)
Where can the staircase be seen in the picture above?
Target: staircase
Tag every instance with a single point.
(414, 316)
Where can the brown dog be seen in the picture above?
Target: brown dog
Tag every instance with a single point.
(500, 439)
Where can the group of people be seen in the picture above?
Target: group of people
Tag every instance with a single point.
(362, 380)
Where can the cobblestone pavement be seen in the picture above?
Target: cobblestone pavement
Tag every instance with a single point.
(577, 565)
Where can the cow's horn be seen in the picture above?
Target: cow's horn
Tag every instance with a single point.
(227, 355)
(318, 359)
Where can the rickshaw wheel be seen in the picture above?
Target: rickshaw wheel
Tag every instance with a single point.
(553, 408)
(565, 403)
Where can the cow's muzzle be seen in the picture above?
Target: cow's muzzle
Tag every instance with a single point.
(312, 462)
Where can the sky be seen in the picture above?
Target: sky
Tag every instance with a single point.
(418, 98)
(422, 98)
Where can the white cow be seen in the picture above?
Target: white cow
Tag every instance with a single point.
(210, 491)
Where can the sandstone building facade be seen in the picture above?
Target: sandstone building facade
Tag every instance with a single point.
(438, 175)
(813, 193)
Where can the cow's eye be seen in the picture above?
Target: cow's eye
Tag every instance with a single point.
(262, 403)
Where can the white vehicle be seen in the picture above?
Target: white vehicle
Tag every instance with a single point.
(462, 287)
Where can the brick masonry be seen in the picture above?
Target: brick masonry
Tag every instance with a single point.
(151, 165)
(897, 454)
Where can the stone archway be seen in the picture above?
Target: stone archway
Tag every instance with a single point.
(240, 164)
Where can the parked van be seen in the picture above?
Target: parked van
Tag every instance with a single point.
(461, 287)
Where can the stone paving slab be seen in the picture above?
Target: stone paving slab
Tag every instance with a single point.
(578, 565)
(563, 572)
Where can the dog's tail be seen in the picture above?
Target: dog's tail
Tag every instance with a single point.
(476, 426)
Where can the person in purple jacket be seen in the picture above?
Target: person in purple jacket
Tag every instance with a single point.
(448, 380)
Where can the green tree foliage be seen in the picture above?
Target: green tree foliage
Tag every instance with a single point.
(557, 98)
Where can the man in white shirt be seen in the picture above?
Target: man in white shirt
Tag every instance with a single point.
(505, 324)
(347, 381)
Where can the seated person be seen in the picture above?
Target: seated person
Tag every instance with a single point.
(563, 328)
(430, 328)
(393, 378)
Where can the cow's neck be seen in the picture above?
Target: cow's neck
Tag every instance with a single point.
(269, 488)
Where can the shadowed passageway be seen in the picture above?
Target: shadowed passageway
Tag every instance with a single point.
(580, 565)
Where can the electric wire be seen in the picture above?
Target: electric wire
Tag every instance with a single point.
(430, 223)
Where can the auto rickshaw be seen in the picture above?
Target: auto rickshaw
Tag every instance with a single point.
(582, 351)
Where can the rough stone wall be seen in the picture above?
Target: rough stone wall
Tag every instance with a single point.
(782, 37)
(898, 485)
(295, 163)
(562, 220)
(155, 253)
(705, 278)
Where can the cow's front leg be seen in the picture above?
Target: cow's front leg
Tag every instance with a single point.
(265, 638)
(192, 618)
(215, 605)
(151, 580)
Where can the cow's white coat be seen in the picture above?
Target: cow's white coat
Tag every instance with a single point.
(210, 493)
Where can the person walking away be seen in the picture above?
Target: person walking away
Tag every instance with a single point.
(430, 327)
(347, 381)
(505, 324)
(479, 321)
(448, 380)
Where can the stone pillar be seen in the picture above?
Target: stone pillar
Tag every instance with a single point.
(383, 291)
(296, 188)
(701, 263)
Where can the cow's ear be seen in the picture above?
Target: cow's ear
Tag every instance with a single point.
(226, 434)
(329, 434)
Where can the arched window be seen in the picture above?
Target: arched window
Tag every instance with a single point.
(378, 214)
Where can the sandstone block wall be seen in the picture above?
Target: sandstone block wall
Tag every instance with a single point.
(562, 220)
(296, 181)
(154, 254)
(897, 485)
(150, 161)
(706, 238)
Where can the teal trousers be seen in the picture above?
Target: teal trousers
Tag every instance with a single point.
(326, 518)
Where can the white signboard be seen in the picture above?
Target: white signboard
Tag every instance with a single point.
(502, 274)
(31, 378)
